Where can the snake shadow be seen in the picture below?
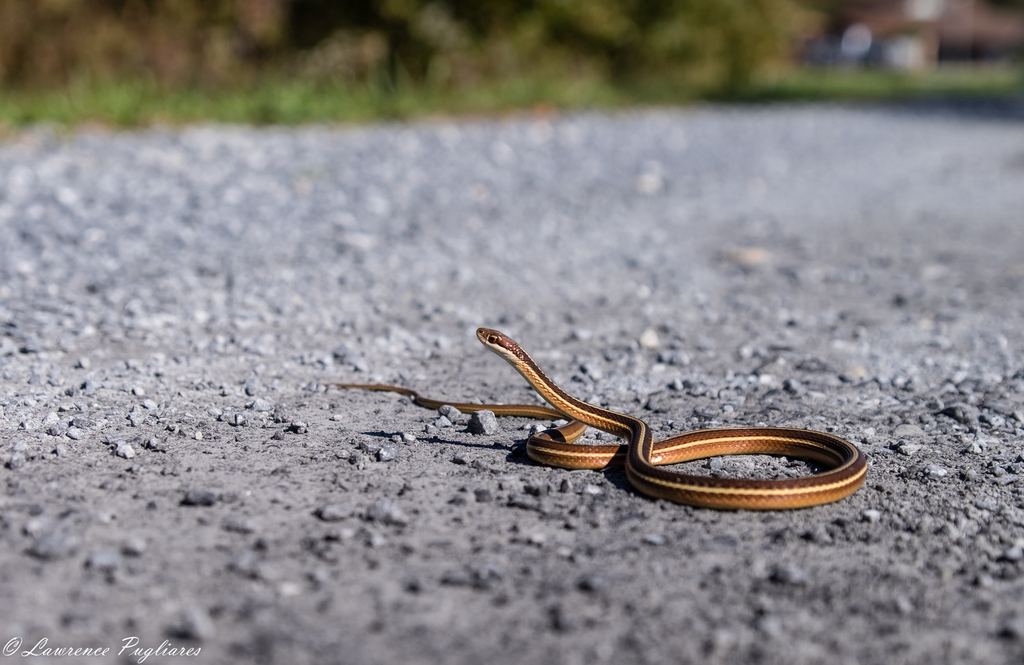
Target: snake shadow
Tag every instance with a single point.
(513, 455)
(517, 455)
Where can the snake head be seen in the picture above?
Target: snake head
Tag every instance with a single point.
(492, 338)
(500, 344)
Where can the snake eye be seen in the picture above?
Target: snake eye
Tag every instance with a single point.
(492, 339)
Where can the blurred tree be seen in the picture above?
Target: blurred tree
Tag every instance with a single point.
(431, 42)
(50, 42)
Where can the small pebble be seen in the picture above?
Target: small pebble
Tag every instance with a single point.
(387, 452)
(962, 413)
(483, 422)
(369, 447)
(459, 577)
(1012, 629)
(974, 448)
(261, 405)
(332, 512)
(54, 545)
(442, 421)
(536, 489)
(134, 546)
(654, 539)
(124, 450)
(678, 358)
(75, 433)
(242, 525)
(36, 525)
(386, 511)
(582, 334)
(592, 583)
(450, 412)
(536, 428)
(769, 625)
(853, 374)
(199, 498)
(908, 431)
(935, 471)
(193, 624)
(106, 516)
(649, 339)
(871, 516)
(592, 490)
(787, 573)
(818, 534)
(483, 495)
(908, 449)
(16, 460)
(106, 560)
(245, 562)
(987, 504)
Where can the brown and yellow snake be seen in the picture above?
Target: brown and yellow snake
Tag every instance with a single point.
(642, 455)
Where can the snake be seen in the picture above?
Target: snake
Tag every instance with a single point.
(845, 467)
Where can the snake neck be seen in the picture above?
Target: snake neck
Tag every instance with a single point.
(619, 424)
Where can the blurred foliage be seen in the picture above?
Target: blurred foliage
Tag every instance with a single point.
(390, 44)
(276, 100)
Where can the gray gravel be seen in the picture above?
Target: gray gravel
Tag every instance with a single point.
(174, 302)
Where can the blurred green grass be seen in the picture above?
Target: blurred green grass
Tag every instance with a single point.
(981, 81)
(278, 101)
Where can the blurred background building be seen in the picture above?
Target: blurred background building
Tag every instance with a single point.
(917, 34)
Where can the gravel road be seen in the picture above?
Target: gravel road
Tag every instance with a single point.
(173, 303)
